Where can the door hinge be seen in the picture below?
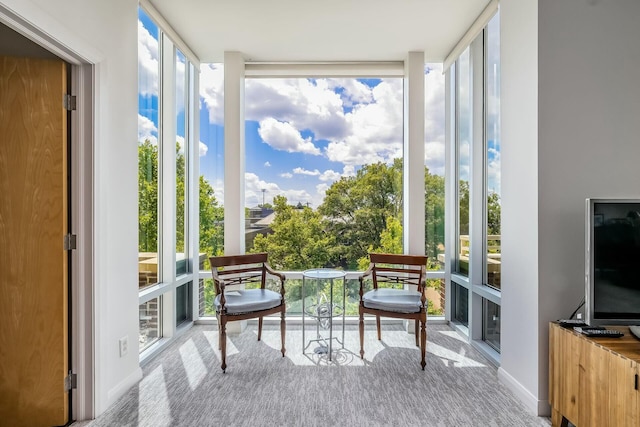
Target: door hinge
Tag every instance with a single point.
(70, 381)
(69, 242)
(69, 102)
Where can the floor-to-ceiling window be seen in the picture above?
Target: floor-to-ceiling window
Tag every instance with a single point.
(210, 180)
(475, 136)
(434, 186)
(461, 175)
(323, 181)
(148, 176)
(166, 136)
(492, 253)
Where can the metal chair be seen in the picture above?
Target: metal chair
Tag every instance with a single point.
(241, 304)
(391, 270)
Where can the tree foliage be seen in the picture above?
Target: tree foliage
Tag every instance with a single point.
(357, 208)
(211, 213)
(298, 240)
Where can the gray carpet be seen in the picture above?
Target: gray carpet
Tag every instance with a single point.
(184, 386)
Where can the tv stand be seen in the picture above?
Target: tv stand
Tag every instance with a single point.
(593, 381)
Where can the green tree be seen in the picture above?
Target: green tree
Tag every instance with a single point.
(357, 209)
(298, 240)
(493, 213)
(434, 217)
(211, 214)
(147, 197)
(390, 242)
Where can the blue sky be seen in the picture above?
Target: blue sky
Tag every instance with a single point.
(301, 134)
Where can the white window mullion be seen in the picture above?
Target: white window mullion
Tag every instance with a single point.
(234, 149)
(450, 190)
(167, 190)
(193, 173)
(476, 187)
(414, 154)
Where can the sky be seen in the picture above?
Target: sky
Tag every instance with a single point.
(301, 134)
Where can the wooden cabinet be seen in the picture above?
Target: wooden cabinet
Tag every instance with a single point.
(593, 381)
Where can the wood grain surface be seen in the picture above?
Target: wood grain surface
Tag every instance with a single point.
(33, 221)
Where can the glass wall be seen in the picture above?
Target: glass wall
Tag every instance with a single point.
(434, 184)
(491, 324)
(493, 260)
(166, 141)
(181, 165)
(323, 182)
(476, 280)
(463, 162)
(148, 151)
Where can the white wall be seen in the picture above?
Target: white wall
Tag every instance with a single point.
(587, 145)
(519, 163)
(105, 32)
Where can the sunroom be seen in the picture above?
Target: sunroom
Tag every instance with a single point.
(488, 142)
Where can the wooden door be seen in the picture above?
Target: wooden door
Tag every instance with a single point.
(33, 263)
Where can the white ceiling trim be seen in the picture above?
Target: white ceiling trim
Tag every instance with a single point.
(325, 69)
(476, 28)
(166, 28)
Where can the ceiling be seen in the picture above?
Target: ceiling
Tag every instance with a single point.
(327, 30)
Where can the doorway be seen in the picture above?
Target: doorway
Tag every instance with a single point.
(76, 299)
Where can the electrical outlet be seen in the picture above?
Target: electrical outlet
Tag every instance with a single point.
(124, 346)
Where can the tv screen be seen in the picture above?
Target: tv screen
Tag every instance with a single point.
(613, 262)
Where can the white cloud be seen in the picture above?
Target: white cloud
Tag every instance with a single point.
(376, 128)
(181, 66)
(283, 136)
(321, 190)
(254, 186)
(329, 175)
(286, 175)
(301, 171)
(147, 62)
(212, 91)
(267, 164)
(434, 157)
(353, 91)
(348, 170)
(304, 103)
(203, 149)
(493, 171)
(434, 82)
(147, 130)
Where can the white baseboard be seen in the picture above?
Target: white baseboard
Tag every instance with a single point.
(122, 387)
(537, 407)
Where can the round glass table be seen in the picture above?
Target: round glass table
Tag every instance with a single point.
(321, 307)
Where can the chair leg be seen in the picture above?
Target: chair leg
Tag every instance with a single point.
(259, 328)
(223, 344)
(378, 327)
(417, 328)
(361, 325)
(283, 328)
(219, 334)
(423, 343)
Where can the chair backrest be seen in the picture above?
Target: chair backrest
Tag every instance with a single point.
(239, 269)
(398, 269)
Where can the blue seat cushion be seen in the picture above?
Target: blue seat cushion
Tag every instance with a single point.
(396, 300)
(249, 300)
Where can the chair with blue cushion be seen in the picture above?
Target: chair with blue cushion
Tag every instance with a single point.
(399, 284)
(249, 298)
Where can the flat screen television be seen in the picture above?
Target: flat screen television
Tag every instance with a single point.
(612, 295)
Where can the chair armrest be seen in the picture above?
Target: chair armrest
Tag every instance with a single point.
(361, 278)
(279, 275)
(271, 271)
